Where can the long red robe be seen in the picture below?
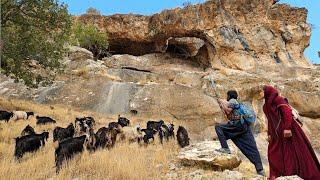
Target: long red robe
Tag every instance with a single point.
(287, 156)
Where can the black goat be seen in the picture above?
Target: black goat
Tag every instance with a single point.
(29, 114)
(166, 131)
(67, 149)
(148, 134)
(60, 133)
(83, 125)
(171, 130)
(123, 121)
(155, 125)
(5, 115)
(44, 120)
(27, 130)
(106, 137)
(182, 137)
(29, 143)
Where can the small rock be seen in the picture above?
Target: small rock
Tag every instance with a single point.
(196, 175)
(289, 178)
(231, 175)
(159, 166)
(257, 177)
(172, 166)
(172, 175)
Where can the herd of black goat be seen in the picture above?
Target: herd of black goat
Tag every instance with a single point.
(76, 137)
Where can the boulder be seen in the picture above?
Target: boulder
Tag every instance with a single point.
(76, 53)
(203, 154)
(95, 67)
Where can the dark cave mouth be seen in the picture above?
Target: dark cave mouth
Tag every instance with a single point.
(184, 51)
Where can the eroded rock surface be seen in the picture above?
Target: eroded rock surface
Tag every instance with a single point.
(203, 154)
(239, 35)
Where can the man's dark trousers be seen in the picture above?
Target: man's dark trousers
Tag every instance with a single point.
(242, 137)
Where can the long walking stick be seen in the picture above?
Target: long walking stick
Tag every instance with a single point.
(216, 96)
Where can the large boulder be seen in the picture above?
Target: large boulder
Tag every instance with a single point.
(203, 154)
(76, 53)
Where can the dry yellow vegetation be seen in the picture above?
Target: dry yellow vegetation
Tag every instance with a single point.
(124, 161)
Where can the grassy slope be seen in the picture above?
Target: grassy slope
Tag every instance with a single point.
(123, 162)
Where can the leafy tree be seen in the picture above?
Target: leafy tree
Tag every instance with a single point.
(88, 36)
(93, 11)
(33, 30)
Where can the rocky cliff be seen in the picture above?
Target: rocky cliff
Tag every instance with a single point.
(240, 34)
(174, 64)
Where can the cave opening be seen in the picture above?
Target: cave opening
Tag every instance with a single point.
(176, 50)
(182, 51)
(191, 50)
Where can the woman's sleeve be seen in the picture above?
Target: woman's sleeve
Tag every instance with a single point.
(286, 114)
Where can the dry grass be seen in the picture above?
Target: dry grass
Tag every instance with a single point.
(82, 72)
(122, 162)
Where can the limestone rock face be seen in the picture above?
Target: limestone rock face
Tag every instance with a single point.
(241, 35)
(306, 102)
(203, 154)
(179, 101)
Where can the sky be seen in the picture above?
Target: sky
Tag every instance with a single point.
(148, 7)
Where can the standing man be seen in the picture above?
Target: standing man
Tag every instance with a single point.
(238, 131)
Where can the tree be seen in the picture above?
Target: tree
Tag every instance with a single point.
(93, 11)
(33, 30)
(88, 36)
(187, 4)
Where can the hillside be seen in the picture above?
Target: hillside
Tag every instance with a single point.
(172, 65)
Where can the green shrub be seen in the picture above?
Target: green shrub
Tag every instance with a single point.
(93, 11)
(33, 30)
(88, 36)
